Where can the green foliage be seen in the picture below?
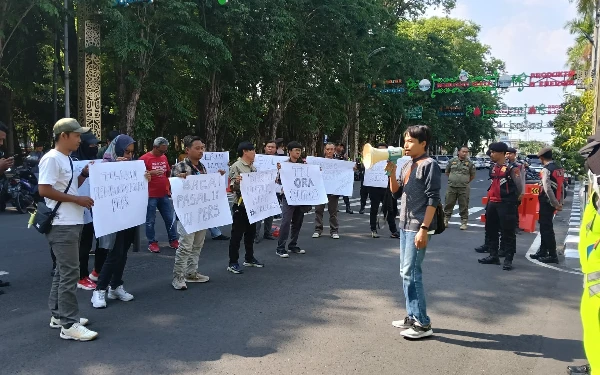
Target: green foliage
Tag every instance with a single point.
(256, 69)
(530, 147)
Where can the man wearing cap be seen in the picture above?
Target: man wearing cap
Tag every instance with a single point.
(460, 171)
(502, 203)
(58, 186)
(511, 158)
(551, 199)
(158, 166)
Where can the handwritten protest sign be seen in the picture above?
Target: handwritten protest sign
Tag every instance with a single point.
(259, 194)
(268, 162)
(84, 189)
(215, 161)
(338, 175)
(302, 184)
(120, 194)
(200, 201)
(376, 177)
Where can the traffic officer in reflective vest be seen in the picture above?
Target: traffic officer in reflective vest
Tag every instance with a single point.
(589, 257)
(551, 199)
(502, 203)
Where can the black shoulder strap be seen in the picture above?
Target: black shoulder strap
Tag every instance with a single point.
(66, 190)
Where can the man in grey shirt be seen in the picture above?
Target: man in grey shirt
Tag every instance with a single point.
(419, 192)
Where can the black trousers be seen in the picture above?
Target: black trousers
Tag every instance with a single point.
(112, 270)
(85, 245)
(99, 258)
(547, 228)
(377, 196)
(500, 217)
(241, 227)
(364, 194)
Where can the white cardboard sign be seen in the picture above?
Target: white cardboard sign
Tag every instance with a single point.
(268, 162)
(259, 192)
(338, 175)
(302, 184)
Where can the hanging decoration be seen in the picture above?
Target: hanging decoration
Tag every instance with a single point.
(414, 113)
(524, 125)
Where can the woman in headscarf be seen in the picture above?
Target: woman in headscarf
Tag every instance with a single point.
(111, 277)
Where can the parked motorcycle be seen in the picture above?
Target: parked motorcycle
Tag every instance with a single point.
(19, 188)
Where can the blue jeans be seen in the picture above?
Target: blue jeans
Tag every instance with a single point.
(412, 277)
(166, 211)
(214, 232)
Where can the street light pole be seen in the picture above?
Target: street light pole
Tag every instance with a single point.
(596, 68)
(67, 91)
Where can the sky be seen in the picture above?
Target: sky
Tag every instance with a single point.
(529, 36)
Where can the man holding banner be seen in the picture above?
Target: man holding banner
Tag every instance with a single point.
(332, 206)
(241, 226)
(270, 149)
(187, 255)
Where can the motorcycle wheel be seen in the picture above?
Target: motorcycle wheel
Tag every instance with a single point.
(23, 202)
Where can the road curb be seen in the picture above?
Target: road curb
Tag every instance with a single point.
(572, 239)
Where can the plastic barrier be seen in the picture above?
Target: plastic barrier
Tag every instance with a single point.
(529, 209)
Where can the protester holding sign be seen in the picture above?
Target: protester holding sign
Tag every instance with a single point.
(292, 215)
(190, 244)
(378, 195)
(111, 277)
(58, 185)
(241, 225)
(270, 149)
(340, 154)
(158, 194)
(332, 206)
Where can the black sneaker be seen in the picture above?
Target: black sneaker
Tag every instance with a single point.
(235, 268)
(349, 211)
(549, 259)
(490, 260)
(482, 249)
(282, 253)
(253, 263)
(269, 237)
(417, 331)
(395, 235)
(507, 266)
(221, 237)
(361, 211)
(539, 254)
(296, 250)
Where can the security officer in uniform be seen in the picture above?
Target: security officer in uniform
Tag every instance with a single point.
(551, 199)
(502, 203)
(460, 172)
(511, 159)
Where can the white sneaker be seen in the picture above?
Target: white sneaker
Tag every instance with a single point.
(119, 293)
(417, 331)
(196, 277)
(55, 323)
(335, 236)
(78, 332)
(99, 299)
(316, 235)
(404, 324)
(179, 283)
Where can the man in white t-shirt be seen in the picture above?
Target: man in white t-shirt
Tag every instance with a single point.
(56, 171)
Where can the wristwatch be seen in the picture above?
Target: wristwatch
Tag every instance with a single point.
(424, 227)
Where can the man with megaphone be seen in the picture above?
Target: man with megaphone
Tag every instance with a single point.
(418, 188)
(378, 195)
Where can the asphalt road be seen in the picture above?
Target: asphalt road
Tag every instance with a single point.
(326, 312)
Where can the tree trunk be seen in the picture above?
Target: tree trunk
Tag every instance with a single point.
(131, 110)
(211, 110)
(121, 97)
(6, 118)
(276, 111)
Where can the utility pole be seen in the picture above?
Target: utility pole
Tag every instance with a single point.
(596, 69)
(67, 91)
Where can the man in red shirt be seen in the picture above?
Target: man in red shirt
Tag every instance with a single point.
(157, 165)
